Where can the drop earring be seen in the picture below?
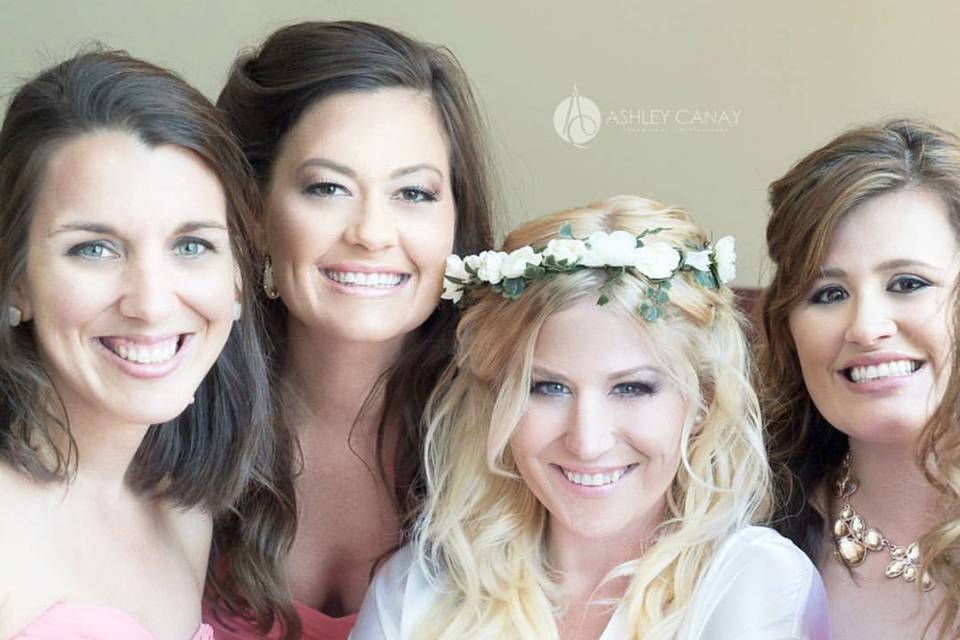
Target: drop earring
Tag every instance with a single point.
(237, 310)
(269, 286)
(15, 315)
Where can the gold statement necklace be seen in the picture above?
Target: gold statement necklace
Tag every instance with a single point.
(854, 538)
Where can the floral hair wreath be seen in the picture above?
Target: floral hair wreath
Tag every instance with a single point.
(509, 273)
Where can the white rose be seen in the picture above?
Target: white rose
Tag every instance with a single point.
(699, 260)
(611, 250)
(657, 260)
(725, 254)
(591, 257)
(451, 291)
(456, 269)
(490, 263)
(516, 263)
(567, 249)
(473, 262)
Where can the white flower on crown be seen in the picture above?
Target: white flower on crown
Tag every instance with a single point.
(725, 254)
(569, 249)
(451, 291)
(616, 249)
(657, 260)
(515, 264)
(699, 260)
(489, 266)
(455, 269)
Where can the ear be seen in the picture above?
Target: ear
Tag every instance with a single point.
(237, 281)
(21, 300)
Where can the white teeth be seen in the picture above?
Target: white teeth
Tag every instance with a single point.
(360, 279)
(894, 369)
(593, 479)
(145, 354)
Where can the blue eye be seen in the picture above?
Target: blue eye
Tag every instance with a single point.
(192, 247)
(829, 295)
(95, 250)
(635, 389)
(326, 189)
(549, 388)
(907, 284)
(417, 195)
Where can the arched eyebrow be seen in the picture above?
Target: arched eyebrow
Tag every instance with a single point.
(887, 265)
(414, 168)
(347, 171)
(105, 229)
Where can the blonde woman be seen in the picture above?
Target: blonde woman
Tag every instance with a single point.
(594, 455)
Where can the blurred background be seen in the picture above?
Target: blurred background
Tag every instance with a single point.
(694, 103)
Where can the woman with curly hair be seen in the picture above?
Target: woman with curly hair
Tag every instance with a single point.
(594, 454)
(864, 237)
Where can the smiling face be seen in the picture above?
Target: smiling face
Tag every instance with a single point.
(130, 279)
(599, 444)
(872, 335)
(360, 215)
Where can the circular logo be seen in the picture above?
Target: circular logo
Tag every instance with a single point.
(577, 119)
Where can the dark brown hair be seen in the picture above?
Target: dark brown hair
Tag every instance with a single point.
(270, 88)
(220, 450)
(807, 204)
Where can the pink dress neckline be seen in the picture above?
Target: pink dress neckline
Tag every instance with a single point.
(92, 622)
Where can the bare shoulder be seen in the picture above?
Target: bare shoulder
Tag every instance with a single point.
(24, 546)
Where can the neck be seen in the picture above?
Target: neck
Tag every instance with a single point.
(893, 494)
(104, 452)
(584, 562)
(329, 379)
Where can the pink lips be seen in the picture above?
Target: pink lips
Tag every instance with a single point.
(363, 289)
(595, 491)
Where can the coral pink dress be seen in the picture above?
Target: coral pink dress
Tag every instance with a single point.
(316, 626)
(64, 621)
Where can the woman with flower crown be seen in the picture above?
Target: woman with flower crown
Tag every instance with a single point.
(594, 454)
(864, 237)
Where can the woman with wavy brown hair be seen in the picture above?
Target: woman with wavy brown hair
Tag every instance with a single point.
(368, 147)
(133, 396)
(858, 350)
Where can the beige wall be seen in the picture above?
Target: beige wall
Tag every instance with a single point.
(788, 76)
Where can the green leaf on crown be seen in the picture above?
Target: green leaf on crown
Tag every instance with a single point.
(513, 287)
(566, 231)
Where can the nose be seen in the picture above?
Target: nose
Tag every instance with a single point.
(148, 291)
(373, 226)
(590, 433)
(871, 320)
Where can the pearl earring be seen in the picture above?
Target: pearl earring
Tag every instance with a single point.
(15, 315)
(237, 310)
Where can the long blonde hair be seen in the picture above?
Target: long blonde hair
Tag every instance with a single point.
(480, 536)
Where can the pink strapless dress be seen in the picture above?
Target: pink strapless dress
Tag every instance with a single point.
(64, 621)
(316, 626)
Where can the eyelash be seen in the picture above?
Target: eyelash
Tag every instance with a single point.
(918, 283)
(624, 389)
(418, 193)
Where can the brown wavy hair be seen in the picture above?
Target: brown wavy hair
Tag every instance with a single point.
(267, 92)
(807, 204)
(220, 451)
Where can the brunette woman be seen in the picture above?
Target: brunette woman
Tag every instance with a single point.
(368, 148)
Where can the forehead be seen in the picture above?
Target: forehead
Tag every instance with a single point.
(370, 130)
(113, 178)
(909, 223)
(590, 339)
